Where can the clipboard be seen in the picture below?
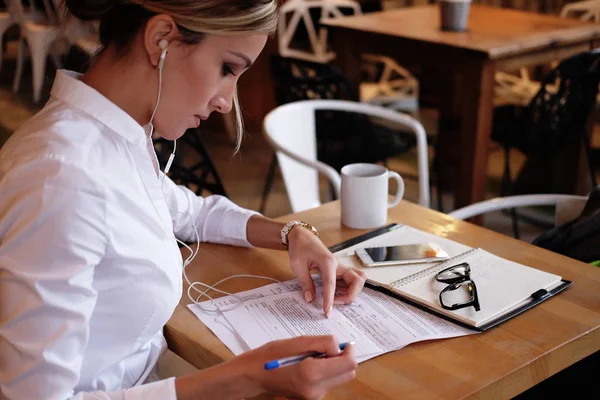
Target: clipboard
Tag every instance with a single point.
(535, 299)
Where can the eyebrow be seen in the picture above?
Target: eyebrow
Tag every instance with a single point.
(242, 56)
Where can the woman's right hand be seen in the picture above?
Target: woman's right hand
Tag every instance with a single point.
(309, 379)
(245, 376)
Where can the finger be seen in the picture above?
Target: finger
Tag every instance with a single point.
(355, 279)
(341, 277)
(328, 368)
(341, 286)
(305, 280)
(327, 344)
(328, 270)
(338, 380)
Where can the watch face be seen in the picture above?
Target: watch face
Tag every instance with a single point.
(286, 229)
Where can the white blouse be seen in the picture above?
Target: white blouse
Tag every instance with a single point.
(90, 271)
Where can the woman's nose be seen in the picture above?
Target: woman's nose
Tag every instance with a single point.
(222, 105)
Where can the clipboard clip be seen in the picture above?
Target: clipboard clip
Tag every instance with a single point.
(540, 294)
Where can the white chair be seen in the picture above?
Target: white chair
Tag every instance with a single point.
(6, 21)
(41, 36)
(294, 11)
(515, 89)
(397, 88)
(588, 10)
(290, 130)
(519, 89)
(83, 35)
(568, 207)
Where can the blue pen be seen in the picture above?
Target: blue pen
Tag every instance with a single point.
(296, 359)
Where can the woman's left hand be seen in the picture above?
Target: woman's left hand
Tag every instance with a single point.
(341, 285)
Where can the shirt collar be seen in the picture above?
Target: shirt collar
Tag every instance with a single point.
(69, 88)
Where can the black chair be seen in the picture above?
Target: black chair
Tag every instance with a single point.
(342, 138)
(554, 119)
(192, 166)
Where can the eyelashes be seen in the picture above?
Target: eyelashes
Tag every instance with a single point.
(227, 70)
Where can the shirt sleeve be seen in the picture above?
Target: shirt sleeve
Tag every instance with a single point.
(52, 236)
(159, 390)
(216, 218)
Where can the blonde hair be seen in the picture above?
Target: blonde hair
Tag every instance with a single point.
(120, 20)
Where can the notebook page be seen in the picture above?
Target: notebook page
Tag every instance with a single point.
(402, 235)
(501, 285)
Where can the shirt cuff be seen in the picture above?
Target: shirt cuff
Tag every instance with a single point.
(236, 229)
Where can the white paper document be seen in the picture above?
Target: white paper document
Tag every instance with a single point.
(287, 315)
(377, 323)
(218, 324)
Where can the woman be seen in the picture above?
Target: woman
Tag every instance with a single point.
(89, 267)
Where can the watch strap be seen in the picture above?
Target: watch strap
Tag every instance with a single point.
(291, 225)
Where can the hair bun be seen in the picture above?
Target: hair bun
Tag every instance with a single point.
(89, 10)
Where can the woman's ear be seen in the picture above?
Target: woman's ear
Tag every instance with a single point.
(160, 30)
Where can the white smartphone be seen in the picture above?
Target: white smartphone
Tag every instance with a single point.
(403, 254)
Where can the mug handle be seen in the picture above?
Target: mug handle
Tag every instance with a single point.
(400, 191)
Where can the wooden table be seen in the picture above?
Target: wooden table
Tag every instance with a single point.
(465, 63)
(497, 364)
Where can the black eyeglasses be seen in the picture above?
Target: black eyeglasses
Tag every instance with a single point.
(458, 276)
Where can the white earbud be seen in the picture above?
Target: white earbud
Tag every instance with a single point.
(171, 158)
(164, 45)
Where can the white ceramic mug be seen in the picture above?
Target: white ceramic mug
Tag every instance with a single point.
(365, 195)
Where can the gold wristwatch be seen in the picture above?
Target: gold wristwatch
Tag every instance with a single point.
(291, 225)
